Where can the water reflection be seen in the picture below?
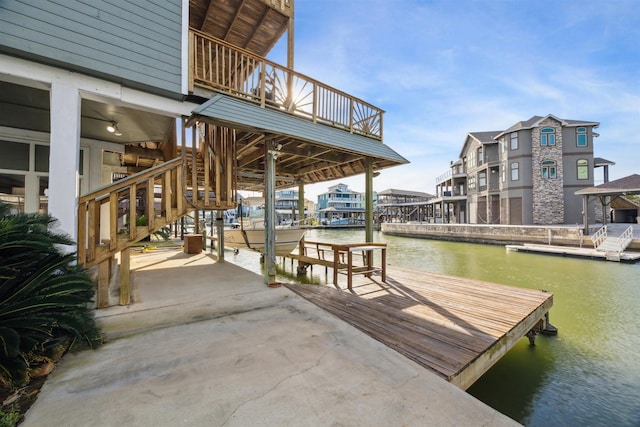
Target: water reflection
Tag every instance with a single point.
(588, 375)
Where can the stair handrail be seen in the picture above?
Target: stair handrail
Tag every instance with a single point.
(89, 218)
(599, 236)
(625, 238)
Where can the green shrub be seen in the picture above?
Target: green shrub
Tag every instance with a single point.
(9, 419)
(45, 298)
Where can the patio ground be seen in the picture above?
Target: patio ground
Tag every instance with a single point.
(208, 344)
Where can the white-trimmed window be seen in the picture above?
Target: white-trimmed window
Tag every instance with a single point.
(549, 170)
(548, 136)
(24, 171)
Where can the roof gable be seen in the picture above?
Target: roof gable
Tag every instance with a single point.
(536, 121)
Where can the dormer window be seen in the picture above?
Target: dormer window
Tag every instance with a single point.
(548, 136)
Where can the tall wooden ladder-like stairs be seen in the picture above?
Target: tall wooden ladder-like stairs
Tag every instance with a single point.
(114, 217)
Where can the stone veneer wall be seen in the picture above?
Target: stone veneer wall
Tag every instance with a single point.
(548, 195)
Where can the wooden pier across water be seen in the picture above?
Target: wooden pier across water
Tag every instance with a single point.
(457, 328)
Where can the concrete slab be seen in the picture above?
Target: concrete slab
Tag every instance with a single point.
(211, 345)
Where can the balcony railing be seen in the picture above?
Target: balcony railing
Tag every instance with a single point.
(445, 176)
(220, 66)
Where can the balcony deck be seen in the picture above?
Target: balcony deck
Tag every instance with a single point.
(215, 65)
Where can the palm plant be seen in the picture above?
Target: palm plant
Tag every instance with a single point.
(45, 298)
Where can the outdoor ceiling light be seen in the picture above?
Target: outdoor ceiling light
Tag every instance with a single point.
(112, 127)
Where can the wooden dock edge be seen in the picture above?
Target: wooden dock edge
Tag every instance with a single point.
(481, 364)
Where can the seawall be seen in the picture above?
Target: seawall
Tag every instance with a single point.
(496, 233)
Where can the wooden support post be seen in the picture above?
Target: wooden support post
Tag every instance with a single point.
(369, 201)
(270, 209)
(349, 269)
(220, 234)
(104, 273)
(336, 261)
(125, 277)
(113, 220)
(384, 264)
(300, 203)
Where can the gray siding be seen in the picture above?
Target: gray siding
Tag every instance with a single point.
(133, 42)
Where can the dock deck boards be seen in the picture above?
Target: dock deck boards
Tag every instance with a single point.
(455, 327)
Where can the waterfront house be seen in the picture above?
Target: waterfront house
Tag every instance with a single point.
(287, 202)
(393, 205)
(525, 175)
(340, 205)
(168, 106)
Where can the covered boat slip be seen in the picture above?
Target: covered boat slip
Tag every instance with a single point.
(455, 327)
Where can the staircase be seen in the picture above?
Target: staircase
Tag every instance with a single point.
(114, 217)
(610, 245)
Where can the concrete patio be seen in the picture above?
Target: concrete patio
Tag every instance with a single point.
(208, 344)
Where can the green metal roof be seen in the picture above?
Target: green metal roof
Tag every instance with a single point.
(237, 113)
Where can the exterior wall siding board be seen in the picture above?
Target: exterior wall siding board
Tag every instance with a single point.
(137, 42)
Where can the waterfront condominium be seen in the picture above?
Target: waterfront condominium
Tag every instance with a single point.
(524, 175)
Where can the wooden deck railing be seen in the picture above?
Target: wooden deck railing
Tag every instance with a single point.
(158, 189)
(220, 66)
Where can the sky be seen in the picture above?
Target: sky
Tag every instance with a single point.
(441, 69)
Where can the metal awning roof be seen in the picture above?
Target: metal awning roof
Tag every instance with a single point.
(310, 152)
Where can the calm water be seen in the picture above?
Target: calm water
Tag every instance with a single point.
(588, 375)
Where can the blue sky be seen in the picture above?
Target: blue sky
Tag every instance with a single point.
(443, 68)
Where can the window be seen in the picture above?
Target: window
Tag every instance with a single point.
(581, 137)
(583, 169)
(15, 156)
(503, 171)
(12, 191)
(515, 171)
(472, 183)
(548, 136)
(549, 169)
(514, 141)
(480, 155)
(471, 160)
(482, 180)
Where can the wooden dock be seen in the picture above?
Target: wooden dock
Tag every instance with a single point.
(457, 328)
(572, 251)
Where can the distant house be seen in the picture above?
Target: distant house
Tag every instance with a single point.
(341, 206)
(395, 205)
(527, 174)
(287, 206)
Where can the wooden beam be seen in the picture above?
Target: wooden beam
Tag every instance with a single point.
(145, 153)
